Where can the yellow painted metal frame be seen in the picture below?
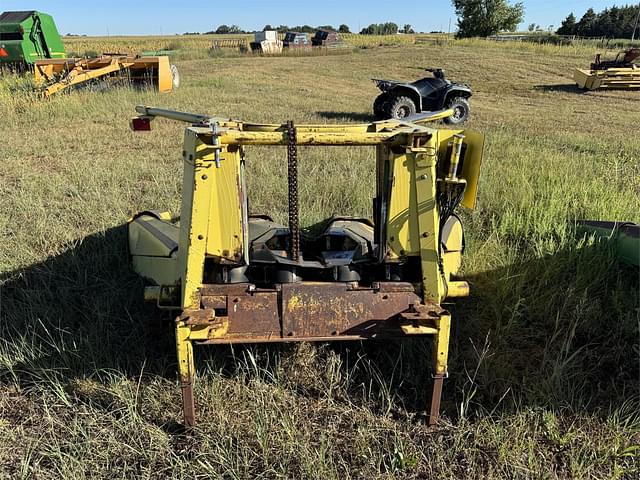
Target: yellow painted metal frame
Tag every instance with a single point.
(213, 218)
(213, 212)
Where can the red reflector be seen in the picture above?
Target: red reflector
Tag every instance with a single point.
(3, 52)
(141, 124)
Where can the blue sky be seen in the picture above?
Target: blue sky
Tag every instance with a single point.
(119, 17)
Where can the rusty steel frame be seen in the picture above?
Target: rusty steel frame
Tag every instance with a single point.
(309, 311)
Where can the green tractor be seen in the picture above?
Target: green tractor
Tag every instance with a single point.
(26, 37)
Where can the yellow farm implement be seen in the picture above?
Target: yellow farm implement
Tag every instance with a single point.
(232, 277)
(56, 75)
(621, 73)
(622, 78)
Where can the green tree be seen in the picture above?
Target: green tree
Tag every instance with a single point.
(568, 26)
(388, 28)
(586, 25)
(482, 18)
(303, 29)
(531, 27)
(614, 22)
(408, 29)
(344, 28)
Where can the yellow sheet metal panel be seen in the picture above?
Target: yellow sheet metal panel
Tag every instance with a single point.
(473, 145)
(161, 68)
(581, 77)
(587, 79)
(165, 76)
(471, 167)
(402, 223)
(225, 236)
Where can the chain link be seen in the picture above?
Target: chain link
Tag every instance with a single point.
(292, 172)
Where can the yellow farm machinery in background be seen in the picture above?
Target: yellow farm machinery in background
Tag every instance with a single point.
(55, 75)
(29, 40)
(621, 73)
(235, 277)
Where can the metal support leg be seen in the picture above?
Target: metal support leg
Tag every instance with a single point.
(188, 403)
(436, 395)
(440, 359)
(186, 369)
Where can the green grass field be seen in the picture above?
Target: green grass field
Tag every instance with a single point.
(545, 367)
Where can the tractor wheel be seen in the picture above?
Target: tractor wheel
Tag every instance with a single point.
(401, 107)
(379, 106)
(175, 76)
(461, 111)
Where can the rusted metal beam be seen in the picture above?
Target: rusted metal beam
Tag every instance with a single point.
(310, 311)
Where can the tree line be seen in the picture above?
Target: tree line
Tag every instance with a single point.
(614, 22)
(483, 18)
(235, 29)
(307, 28)
(388, 28)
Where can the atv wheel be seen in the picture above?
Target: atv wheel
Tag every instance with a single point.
(461, 111)
(401, 107)
(379, 106)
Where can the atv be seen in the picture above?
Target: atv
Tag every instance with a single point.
(401, 100)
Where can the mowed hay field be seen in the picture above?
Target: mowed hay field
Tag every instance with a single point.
(545, 354)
